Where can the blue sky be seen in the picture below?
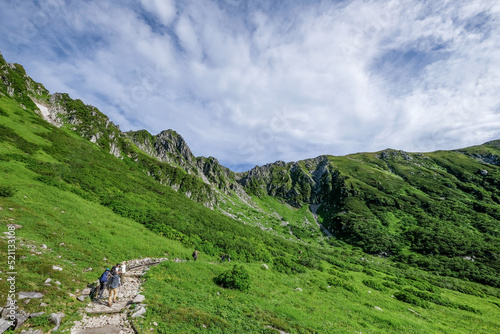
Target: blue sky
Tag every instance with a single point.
(252, 82)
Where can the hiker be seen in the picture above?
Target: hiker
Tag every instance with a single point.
(103, 280)
(115, 269)
(114, 284)
(123, 269)
(223, 257)
(195, 254)
(228, 257)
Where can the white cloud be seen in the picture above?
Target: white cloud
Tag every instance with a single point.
(165, 10)
(249, 85)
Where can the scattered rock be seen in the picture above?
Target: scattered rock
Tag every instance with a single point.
(62, 244)
(57, 282)
(43, 304)
(48, 280)
(31, 295)
(369, 292)
(37, 314)
(155, 323)
(378, 308)
(55, 318)
(81, 298)
(298, 289)
(31, 331)
(264, 266)
(21, 318)
(86, 270)
(27, 301)
(85, 291)
(57, 268)
(139, 299)
(409, 309)
(4, 325)
(44, 246)
(140, 311)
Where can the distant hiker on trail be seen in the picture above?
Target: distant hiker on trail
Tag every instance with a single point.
(223, 257)
(104, 280)
(123, 269)
(228, 257)
(195, 254)
(114, 284)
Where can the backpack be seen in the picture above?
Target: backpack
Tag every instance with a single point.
(114, 281)
(104, 277)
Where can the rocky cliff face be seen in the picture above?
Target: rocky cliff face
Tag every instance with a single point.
(168, 146)
(309, 181)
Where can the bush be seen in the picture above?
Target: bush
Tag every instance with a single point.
(409, 298)
(236, 278)
(374, 285)
(7, 191)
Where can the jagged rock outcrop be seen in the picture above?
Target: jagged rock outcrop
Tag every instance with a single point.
(310, 181)
(168, 146)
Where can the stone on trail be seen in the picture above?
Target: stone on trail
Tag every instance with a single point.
(139, 299)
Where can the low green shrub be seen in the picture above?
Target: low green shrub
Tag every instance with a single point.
(374, 284)
(7, 191)
(235, 278)
(339, 282)
(409, 298)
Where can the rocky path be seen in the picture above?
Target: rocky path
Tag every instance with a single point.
(100, 318)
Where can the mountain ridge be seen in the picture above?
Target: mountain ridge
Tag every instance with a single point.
(389, 202)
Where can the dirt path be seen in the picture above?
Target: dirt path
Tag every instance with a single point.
(100, 318)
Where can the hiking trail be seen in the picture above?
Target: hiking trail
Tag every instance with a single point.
(100, 318)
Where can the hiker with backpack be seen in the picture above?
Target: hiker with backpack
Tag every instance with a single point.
(115, 269)
(195, 254)
(103, 280)
(114, 284)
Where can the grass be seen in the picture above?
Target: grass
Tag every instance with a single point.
(184, 299)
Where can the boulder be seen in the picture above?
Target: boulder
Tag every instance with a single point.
(30, 295)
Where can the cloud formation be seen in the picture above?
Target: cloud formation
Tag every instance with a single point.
(252, 82)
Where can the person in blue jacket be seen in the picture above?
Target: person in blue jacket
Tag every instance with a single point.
(103, 280)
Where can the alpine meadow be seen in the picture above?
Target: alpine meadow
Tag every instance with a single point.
(384, 242)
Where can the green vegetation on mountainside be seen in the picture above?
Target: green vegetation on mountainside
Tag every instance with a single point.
(439, 211)
(92, 209)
